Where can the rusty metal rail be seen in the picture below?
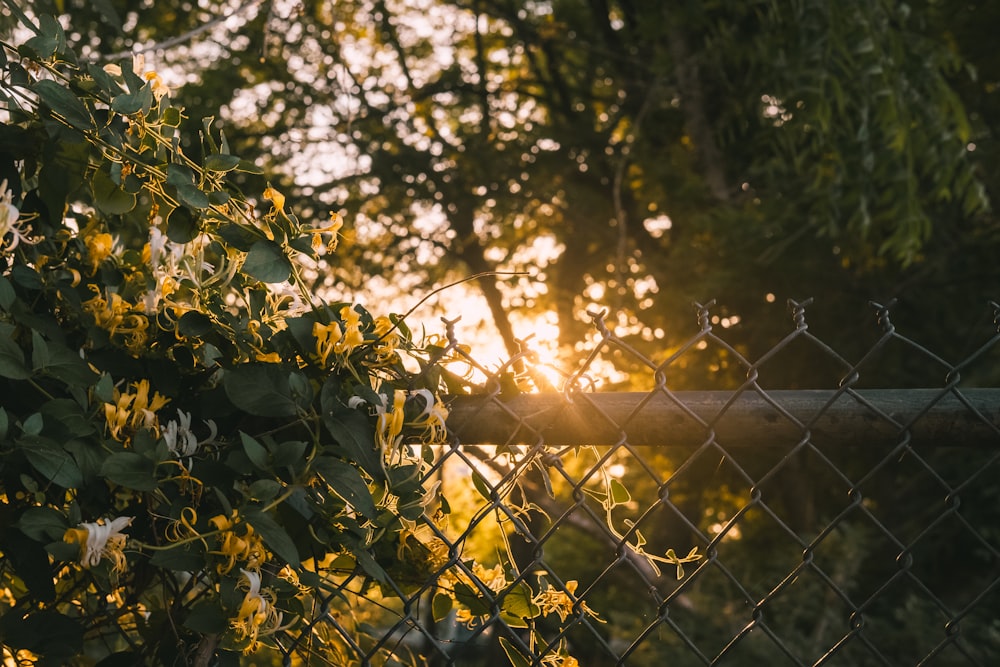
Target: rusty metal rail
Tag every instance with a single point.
(942, 417)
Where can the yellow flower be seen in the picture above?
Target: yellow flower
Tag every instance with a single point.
(387, 338)
(184, 527)
(494, 578)
(332, 227)
(115, 316)
(109, 314)
(292, 577)
(327, 336)
(352, 331)
(465, 617)
(275, 197)
(390, 423)
(160, 89)
(334, 339)
(560, 659)
(99, 247)
(129, 411)
(553, 600)
(247, 547)
(100, 540)
(257, 615)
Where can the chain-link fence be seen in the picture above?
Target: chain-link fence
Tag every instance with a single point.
(737, 526)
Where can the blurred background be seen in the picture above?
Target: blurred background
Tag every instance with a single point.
(600, 154)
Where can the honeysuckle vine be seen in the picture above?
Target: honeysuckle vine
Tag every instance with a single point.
(193, 445)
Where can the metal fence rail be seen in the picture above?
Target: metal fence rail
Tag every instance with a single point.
(835, 525)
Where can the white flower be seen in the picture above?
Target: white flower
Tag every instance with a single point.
(180, 440)
(257, 615)
(9, 216)
(100, 540)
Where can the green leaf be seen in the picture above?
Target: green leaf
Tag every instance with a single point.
(370, 565)
(7, 294)
(220, 162)
(185, 558)
(104, 80)
(43, 46)
(515, 657)
(441, 607)
(11, 355)
(51, 460)
(264, 490)
(219, 197)
(29, 561)
(62, 101)
(356, 436)
(255, 451)
(109, 197)
(267, 262)
(618, 493)
(70, 417)
(518, 607)
(193, 196)
(182, 225)
(179, 174)
(89, 456)
(104, 389)
(39, 350)
(274, 536)
(131, 470)
(63, 550)
(130, 103)
(171, 116)
(33, 424)
(347, 482)
(47, 632)
(481, 485)
(43, 524)
(289, 454)
(194, 324)
(26, 276)
(60, 362)
(52, 29)
(261, 389)
(472, 599)
(248, 167)
(183, 178)
(238, 236)
(207, 618)
(404, 479)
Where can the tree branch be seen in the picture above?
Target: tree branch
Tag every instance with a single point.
(167, 44)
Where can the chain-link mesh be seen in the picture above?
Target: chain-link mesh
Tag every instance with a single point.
(831, 525)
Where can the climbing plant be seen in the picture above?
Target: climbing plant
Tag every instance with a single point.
(197, 451)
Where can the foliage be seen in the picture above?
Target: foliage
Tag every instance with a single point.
(797, 149)
(195, 447)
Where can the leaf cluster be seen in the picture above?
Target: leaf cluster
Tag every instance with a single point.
(185, 430)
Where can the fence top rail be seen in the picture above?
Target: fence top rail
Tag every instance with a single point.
(943, 417)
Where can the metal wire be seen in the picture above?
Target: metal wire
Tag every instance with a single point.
(840, 525)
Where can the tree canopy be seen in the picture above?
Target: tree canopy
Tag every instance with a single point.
(621, 155)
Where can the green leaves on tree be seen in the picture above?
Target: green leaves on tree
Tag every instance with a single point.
(65, 103)
(267, 262)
